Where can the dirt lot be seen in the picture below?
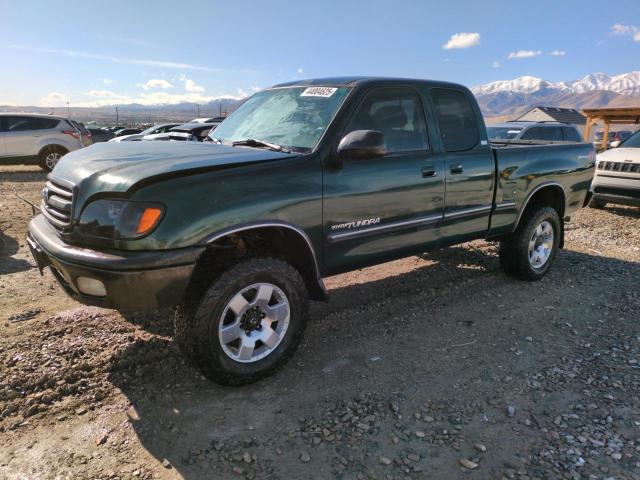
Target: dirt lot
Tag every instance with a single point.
(436, 366)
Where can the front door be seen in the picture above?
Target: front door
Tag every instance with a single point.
(19, 138)
(378, 208)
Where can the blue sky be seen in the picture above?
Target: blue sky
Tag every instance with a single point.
(169, 51)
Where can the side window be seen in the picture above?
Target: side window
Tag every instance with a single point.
(398, 114)
(551, 134)
(18, 124)
(38, 123)
(456, 119)
(571, 135)
(532, 133)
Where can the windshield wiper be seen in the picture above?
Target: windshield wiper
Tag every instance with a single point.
(252, 142)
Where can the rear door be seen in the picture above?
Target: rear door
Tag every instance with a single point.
(469, 165)
(376, 209)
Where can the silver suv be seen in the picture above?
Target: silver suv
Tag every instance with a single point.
(40, 139)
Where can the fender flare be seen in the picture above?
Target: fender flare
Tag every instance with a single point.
(321, 292)
(525, 204)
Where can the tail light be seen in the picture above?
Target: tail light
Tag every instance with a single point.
(73, 133)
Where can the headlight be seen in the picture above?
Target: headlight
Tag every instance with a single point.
(120, 219)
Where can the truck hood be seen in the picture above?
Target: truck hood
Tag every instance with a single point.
(116, 166)
(621, 155)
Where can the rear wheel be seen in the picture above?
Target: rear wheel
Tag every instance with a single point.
(247, 324)
(50, 156)
(528, 253)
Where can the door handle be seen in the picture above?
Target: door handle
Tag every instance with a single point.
(456, 169)
(429, 171)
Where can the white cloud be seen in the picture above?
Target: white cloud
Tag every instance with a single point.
(242, 93)
(622, 29)
(132, 61)
(496, 64)
(626, 30)
(191, 86)
(107, 81)
(558, 53)
(255, 89)
(462, 40)
(156, 83)
(54, 99)
(524, 54)
(300, 71)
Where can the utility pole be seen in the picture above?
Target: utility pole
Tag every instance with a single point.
(68, 110)
(198, 105)
(117, 122)
(220, 105)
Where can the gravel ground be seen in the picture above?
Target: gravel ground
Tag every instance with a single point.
(436, 366)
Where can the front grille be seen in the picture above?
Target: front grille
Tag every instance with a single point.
(624, 167)
(57, 204)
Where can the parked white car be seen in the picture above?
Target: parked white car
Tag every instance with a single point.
(27, 138)
(161, 128)
(617, 177)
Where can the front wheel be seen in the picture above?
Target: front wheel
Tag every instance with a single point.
(528, 253)
(247, 324)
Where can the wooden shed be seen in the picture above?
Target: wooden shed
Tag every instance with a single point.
(610, 116)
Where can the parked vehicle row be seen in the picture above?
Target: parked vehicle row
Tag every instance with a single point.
(305, 180)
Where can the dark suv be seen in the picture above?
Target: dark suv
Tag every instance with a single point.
(534, 131)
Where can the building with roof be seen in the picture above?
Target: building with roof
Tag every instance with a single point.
(554, 114)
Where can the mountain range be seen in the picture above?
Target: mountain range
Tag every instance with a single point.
(500, 100)
(506, 99)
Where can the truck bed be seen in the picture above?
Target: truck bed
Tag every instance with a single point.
(523, 168)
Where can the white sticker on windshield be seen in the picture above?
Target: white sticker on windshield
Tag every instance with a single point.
(324, 92)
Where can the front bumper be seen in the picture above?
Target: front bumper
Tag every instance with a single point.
(622, 190)
(133, 280)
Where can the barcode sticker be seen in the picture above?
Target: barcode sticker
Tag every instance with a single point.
(324, 92)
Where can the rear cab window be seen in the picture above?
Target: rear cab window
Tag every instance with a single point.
(457, 119)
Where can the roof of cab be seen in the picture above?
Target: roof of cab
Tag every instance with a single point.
(363, 80)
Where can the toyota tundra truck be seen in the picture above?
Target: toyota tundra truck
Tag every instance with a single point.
(305, 180)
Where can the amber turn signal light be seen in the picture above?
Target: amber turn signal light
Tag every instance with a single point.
(148, 219)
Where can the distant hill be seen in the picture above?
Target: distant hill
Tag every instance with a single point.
(135, 112)
(506, 99)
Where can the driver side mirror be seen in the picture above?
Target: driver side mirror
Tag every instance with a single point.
(362, 144)
(615, 144)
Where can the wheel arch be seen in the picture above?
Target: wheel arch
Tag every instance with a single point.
(271, 238)
(550, 194)
(48, 146)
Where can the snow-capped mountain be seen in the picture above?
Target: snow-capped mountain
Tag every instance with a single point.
(624, 84)
(509, 98)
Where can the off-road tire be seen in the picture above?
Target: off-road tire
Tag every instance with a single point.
(196, 321)
(514, 248)
(45, 152)
(599, 204)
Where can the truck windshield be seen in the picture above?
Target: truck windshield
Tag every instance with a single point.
(632, 142)
(503, 133)
(292, 117)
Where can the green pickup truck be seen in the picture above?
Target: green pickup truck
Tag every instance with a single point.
(305, 180)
